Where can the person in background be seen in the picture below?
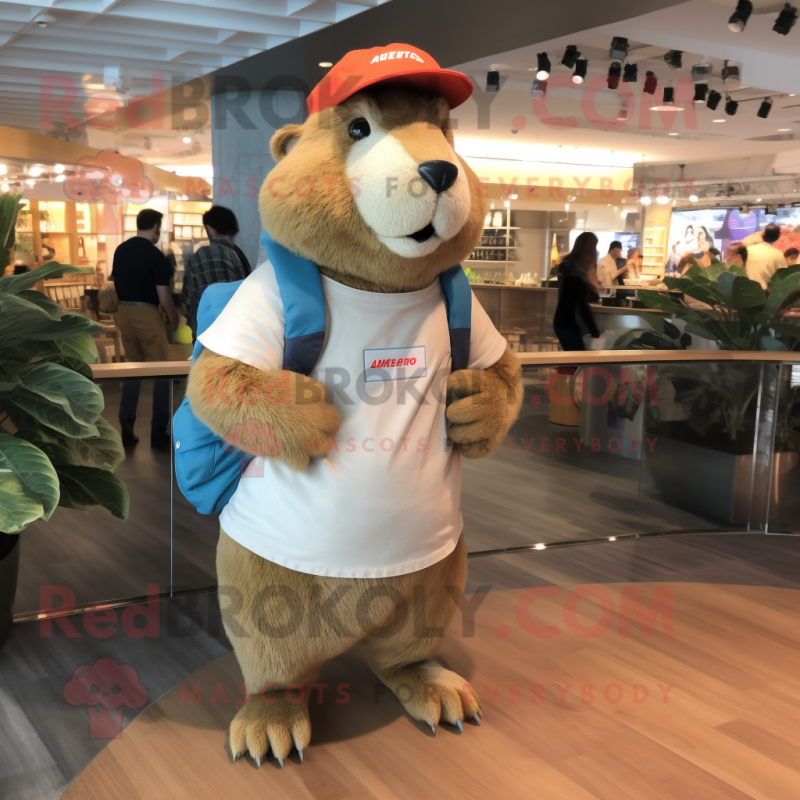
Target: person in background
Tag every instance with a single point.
(763, 258)
(21, 269)
(715, 255)
(608, 272)
(48, 253)
(791, 256)
(634, 262)
(141, 278)
(220, 261)
(736, 255)
(577, 287)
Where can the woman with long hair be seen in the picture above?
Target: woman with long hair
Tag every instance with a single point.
(577, 287)
(701, 255)
(634, 262)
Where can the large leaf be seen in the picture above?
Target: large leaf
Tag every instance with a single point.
(9, 207)
(104, 450)
(75, 364)
(14, 284)
(780, 292)
(53, 310)
(82, 348)
(747, 294)
(82, 487)
(21, 320)
(17, 508)
(33, 468)
(657, 300)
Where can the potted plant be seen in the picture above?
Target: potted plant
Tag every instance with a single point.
(705, 420)
(55, 448)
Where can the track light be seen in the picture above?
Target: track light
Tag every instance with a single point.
(539, 90)
(786, 20)
(614, 74)
(674, 59)
(700, 72)
(543, 69)
(713, 99)
(731, 107)
(579, 76)
(669, 96)
(700, 90)
(650, 82)
(764, 108)
(738, 20)
(571, 55)
(492, 81)
(730, 74)
(630, 73)
(619, 48)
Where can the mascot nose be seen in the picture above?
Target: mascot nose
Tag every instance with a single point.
(439, 175)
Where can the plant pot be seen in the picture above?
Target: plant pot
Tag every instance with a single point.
(9, 569)
(709, 482)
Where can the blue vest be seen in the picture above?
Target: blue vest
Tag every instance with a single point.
(207, 468)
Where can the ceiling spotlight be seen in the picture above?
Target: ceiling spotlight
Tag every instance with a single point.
(326, 64)
(700, 90)
(614, 74)
(630, 73)
(786, 20)
(673, 133)
(187, 140)
(3, 169)
(543, 68)
(713, 99)
(692, 198)
(718, 120)
(492, 81)
(674, 59)
(579, 76)
(700, 72)
(60, 178)
(571, 55)
(662, 199)
(669, 96)
(5, 187)
(784, 130)
(738, 20)
(619, 48)
(94, 87)
(30, 182)
(650, 82)
(44, 20)
(36, 171)
(58, 169)
(731, 107)
(539, 90)
(764, 108)
(645, 201)
(730, 74)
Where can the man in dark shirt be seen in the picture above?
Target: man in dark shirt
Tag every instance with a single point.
(220, 261)
(141, 278)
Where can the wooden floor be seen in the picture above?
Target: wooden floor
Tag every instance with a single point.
(704, 708)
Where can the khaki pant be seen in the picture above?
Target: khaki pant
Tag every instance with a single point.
(144, 336)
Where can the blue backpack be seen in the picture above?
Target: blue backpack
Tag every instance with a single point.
(207, 467)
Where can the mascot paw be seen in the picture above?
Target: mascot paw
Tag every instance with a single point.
(477, 412)
(430, 693)
(269, 721)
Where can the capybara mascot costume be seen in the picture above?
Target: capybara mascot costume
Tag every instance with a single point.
(346, 527)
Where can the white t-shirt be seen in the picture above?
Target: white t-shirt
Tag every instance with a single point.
(763, 261)
(386, 499)
(607, 271)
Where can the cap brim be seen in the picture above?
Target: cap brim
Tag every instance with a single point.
(454, 86)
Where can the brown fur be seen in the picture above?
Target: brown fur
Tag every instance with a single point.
(282, 415)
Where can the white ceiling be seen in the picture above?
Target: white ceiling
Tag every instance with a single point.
(179, 39)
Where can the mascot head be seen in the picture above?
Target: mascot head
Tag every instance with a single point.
(369, 187)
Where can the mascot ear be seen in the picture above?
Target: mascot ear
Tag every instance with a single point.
(284, 140)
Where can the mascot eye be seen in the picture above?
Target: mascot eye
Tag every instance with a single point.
(359, 129)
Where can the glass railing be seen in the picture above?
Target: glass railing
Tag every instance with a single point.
(607, 444)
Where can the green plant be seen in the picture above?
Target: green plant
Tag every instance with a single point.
(739, 314)
(55, 448)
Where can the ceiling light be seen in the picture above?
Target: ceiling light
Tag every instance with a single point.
(619, 48)
(630, 73)
(614, 74)
(187, 140)
(35, 172)
(579, 76)
(713, 99)
(784, 130)
(5, 187)
(719, 120)
(701, 72)
(94, 87)
(738, 20)
(731, 107)
(673, 133)
(764, 108)
(650, 83)
(662, 199)
(492, 81)
(674, 59)
(539, 547)
(326, 64)
(730, 75)
(58, 169)
(700, 90)
(692, 198)
(539, 90)
(60, 178)
(45, 19)
(786, 20)
(758, 199)
(571, 55)
(3, 169)
(30, 182)
(543, 68)
(645, 201)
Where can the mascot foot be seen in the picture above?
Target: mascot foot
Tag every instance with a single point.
(430, 693)
(268, 721)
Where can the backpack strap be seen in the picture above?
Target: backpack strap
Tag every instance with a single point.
(458, 299)
(214, 298)
(304, 311)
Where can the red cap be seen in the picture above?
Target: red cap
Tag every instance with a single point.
(397, 64)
